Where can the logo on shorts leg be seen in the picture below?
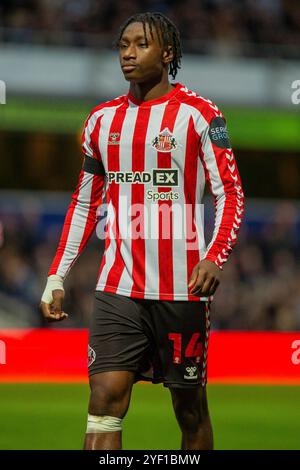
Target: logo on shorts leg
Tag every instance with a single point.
(192, 371)
(91, 356)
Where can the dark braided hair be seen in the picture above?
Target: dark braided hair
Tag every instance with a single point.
(167, 32)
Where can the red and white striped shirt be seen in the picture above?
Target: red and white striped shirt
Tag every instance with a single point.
(147, 163)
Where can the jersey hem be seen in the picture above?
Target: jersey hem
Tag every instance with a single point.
(150, 295)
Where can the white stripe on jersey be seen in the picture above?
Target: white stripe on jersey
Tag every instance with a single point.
(77, 226)
(199, 213)
(111, 250)
(125, 283)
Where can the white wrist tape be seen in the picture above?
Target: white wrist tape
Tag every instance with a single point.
(53, 282)
(97, 424)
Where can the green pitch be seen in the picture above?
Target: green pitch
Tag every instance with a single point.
(53, 416)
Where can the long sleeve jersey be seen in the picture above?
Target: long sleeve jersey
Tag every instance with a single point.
(146, 164)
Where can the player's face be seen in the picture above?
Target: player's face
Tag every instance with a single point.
(141, 62)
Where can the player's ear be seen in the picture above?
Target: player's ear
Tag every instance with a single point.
(168, 55)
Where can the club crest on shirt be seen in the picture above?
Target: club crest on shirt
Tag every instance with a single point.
(165, 141)
(114, 138)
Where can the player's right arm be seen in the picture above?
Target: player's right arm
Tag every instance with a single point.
(80, 221)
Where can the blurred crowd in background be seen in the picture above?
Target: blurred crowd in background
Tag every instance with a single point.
(260, 288)
(236, 27)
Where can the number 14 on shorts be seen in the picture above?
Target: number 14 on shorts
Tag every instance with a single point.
(194, 348)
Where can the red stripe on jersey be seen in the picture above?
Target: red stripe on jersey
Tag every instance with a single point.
(95, 139)
(165, 245)
(113, 163)
(66, 228)
(138, 197)
(207, 176)
(107, 241)
(83, 133)
(190, 181)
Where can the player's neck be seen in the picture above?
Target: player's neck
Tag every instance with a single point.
(150, 90)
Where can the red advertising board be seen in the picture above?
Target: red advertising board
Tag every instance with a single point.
(49, 355)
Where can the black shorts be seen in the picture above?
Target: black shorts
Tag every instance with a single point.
(161, 341)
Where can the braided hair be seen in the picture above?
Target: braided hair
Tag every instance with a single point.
(167, 32)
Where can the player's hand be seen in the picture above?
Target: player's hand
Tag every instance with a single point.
(205, 279)
(52, 300)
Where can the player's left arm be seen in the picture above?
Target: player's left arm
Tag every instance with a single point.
(225, 184)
